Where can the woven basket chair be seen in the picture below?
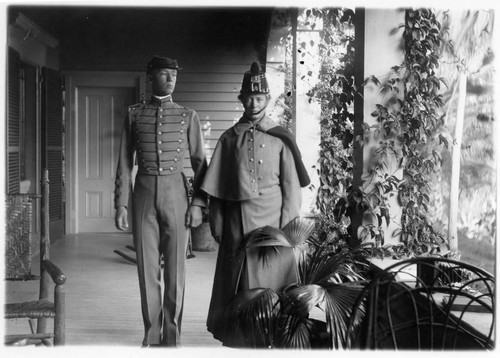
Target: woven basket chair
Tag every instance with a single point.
(43, 308)
(438, 306)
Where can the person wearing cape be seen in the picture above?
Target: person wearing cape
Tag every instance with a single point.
(254, 180)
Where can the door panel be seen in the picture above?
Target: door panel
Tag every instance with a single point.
(101, 112)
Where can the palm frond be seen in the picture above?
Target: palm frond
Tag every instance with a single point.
(266, 236)
(295, 328)
(321, 266)
(301, 299)
(313, 241)
(350, 274)
(339, 302)
(299, 229)
(252, 314)
(265, 240)
(264, 253)
(294, 332)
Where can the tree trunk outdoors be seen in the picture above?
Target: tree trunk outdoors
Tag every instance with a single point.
(455, 166)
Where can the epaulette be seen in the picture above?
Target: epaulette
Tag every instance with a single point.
(135, 106)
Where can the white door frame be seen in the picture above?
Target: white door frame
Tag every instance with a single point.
(74, 80)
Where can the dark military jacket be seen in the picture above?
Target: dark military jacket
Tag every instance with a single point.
(159, 133)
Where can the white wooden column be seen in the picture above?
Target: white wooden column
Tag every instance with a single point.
(382, 51)
(306, 115)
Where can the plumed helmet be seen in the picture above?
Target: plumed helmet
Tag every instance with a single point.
(162, 62)
(254, 81)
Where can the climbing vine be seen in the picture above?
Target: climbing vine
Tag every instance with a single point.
(335, 92)
(410, 128)
(407, 130)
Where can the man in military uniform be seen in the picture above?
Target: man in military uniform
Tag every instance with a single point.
(158, 133)
(254, 180)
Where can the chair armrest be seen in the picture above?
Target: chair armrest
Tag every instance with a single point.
(55, 273)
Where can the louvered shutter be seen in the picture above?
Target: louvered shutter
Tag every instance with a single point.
(54, 133)
(13, 126)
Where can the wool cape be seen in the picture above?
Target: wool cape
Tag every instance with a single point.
(227, 176)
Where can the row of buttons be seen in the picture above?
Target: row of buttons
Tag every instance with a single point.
(181, 131)
(251, 140)
(165, 126)
(184, 114)
(176, 159)
(171, 169)
(160, 124)
(180, 140)
(250, 148)
(161, 169)
(178, 150)
(168, 141)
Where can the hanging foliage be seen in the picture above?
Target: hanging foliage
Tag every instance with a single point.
(412, 129)
(335, 92)
(408, 131)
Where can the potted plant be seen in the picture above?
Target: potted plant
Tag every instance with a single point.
(311, 313)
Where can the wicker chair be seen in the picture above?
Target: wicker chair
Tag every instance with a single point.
(18, 233)
(430, 308)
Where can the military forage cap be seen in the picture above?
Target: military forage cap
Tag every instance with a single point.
(254, 81)
(162, 62)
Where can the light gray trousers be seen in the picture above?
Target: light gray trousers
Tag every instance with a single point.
(159, 208)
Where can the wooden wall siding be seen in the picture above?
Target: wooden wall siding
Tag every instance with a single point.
(13, 135)
(212, 91)
(54, 142)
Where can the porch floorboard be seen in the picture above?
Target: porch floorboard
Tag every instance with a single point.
(102, 293)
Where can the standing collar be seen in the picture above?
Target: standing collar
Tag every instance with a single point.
(160, 100)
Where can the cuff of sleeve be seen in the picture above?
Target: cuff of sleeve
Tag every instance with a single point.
(199, 202)
(119, 203)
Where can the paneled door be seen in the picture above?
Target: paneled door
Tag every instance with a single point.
(100, 113)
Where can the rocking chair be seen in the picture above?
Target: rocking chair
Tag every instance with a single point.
(19, 216)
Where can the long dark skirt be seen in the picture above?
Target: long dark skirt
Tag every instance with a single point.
(238, 269)
(227, 272)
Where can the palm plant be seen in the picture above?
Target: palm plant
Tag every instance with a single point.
(314, 311)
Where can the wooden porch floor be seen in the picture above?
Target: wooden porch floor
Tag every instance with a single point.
(102, 293)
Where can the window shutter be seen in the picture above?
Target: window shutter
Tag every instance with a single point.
(54, 133)
(13, 139)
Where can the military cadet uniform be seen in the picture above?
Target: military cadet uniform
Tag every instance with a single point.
(253, 181)
(159, 133)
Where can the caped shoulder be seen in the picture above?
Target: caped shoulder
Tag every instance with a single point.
(230, 132)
